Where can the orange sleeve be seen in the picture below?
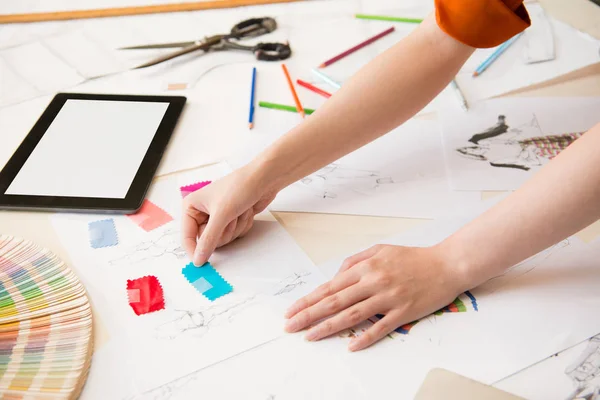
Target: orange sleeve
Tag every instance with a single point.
(481, 23)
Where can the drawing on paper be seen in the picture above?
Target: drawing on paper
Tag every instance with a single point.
(291, 282)
(463, 303)
(523, 268)
(328, 181)
(198, 322)
(585, 372)
(168, 243)
(521, 148)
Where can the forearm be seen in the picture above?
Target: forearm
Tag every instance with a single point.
(382, 95)
(560, 200)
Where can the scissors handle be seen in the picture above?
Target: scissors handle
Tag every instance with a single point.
(253, 27)
(272, 51)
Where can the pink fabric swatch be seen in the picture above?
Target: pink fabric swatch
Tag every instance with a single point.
(186, 190)
(150, 216)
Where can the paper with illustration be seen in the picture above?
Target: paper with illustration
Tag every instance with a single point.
(183, 331)
(401, 174)
(537, 308)
(503, 142)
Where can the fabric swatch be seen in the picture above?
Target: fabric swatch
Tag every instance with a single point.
(103, 233)
(189, 189)
(145, 295)
(206, 280)
(150, 216)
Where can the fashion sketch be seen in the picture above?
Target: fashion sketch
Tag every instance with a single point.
(521, 147)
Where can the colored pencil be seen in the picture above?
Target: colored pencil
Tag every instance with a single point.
(252, 91)
(388, 18)
(495, 55)
(460, 95)
(283, 107)
(325, 78)
(357, 47)
(293, 90)
(313, 88)
(139, 10)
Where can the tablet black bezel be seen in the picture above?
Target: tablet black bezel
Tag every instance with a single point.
(143, 177)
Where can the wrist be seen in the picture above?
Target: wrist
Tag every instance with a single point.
(460, 262)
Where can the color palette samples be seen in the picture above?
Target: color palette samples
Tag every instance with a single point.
(207, 281)
(45, 324)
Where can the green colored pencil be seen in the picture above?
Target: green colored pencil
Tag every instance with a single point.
(282, 107)
(390, 19)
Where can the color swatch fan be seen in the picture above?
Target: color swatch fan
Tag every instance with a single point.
(45, 324)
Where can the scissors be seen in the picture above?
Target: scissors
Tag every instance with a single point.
(246, 29)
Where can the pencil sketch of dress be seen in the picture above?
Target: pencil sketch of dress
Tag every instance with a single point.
(516, 148)
(328, 181)
(585, 372)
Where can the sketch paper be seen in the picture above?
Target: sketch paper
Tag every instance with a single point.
(511, 71)
(571, 374)
(401, 174)
(537, 308)
(503, 142)
(267, 270)
(287, 368)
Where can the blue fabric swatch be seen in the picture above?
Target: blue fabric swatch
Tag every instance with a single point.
(207, 281)
(103, 233)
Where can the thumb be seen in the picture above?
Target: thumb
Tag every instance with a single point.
(209, 238)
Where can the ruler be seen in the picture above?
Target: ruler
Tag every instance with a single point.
(123, 11)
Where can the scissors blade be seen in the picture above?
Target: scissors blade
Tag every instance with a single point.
(160, 46)
(185, 50)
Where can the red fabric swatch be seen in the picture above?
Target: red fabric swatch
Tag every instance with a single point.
(145, 295)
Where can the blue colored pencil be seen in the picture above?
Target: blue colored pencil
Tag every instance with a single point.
(494, 56)
(252, 91)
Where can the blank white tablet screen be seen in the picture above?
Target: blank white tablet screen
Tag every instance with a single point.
(93, 148)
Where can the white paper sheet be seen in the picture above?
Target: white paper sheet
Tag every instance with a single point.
(538, 308)
(571, 374)
(510, 71)
(267, 270)
(286, 368)
(471, 165)
(401, 174)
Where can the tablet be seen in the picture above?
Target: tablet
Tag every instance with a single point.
(90, 153)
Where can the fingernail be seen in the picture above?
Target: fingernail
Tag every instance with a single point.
(290, 326)
(353, 346)
(288, 314)
(311, 335)
(198, 257)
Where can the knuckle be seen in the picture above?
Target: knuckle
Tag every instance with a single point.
(355, 316)
(327, 328)
(326, 289)
(382, 328)
(333, 303)
(382, 279)
(305, 317)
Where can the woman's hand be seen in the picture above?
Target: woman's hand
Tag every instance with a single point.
(404, 283)
(222, 212)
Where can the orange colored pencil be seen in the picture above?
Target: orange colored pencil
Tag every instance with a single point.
(293, 89)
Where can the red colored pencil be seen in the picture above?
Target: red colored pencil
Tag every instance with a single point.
(293, 89)
(313, 88)
(357, 47)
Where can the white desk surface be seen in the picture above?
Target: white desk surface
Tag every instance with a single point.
(324, 237)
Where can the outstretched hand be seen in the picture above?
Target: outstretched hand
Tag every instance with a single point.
(404, 283)
(221, 212)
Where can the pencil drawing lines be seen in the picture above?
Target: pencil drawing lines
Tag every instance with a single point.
(168, 243)
(291, 282)
(524, 267)
(585, 372)
(197, 323)
(519, 148)
(330, 180)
